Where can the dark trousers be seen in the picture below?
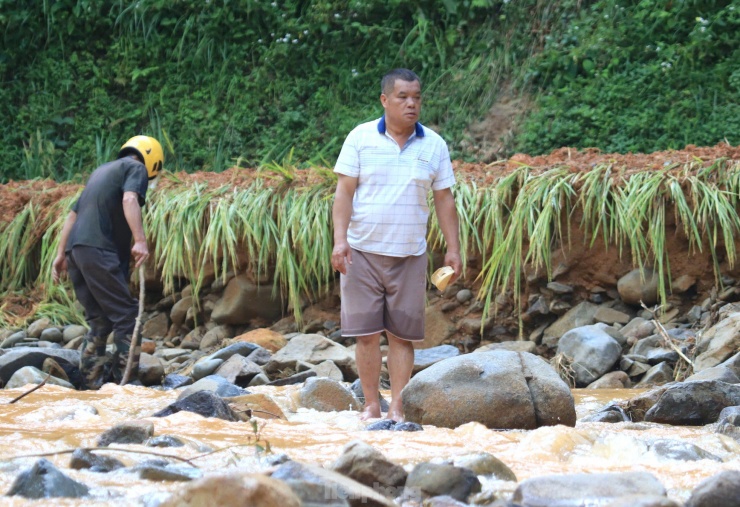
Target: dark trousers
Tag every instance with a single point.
(102, 289)
(101, 286)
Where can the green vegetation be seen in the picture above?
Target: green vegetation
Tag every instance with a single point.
(638, 76)
(220, 81)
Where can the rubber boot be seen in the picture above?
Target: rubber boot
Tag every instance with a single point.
(93, 361)
(122, 344)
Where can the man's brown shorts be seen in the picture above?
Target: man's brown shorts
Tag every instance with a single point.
(380, 292)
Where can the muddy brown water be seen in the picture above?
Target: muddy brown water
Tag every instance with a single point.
(54, 418)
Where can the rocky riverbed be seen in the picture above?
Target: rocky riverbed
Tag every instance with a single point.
(490, 420)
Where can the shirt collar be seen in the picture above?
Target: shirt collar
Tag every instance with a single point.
(418, 127)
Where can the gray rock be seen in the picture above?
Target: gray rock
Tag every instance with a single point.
(639, 287)
(44, 480)
(581, 490)
(15, 359)
(643, 501)
(580, 315)
(52, 334)
(129, 432)
(487, 464)
(592, 351)
(37, 327)
(681, 451)
(721, 489)
(238, 370)
(316, 486)
(313, 349)
(499, 389)
(151, 370)
(693, 403)
(174, 380)
(327, 395)
(30, 375)
(205, 366)
(609, 414)
(215, 384)
(424, 358)
(165, 441)
(430, 479)
(718, 343)
(365, 464)
(328, 369)
(656, 376)
(11, 340)
(205, 403)
(86, 459)
(167, 473)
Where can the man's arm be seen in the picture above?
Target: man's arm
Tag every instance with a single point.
(341, 215)
(132, 212)
(444, 207)
(59, 265)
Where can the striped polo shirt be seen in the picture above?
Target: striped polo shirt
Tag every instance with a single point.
(390, 207)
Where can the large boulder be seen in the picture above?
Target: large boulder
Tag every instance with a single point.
(313, 349)
(500, 389)
(243, 301)
(15, 359)
(693, 403)
(585, 489)
(719, 343)
(639, 287)
(592, 350)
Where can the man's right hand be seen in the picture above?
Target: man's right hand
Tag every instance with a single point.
(58, 267)
(140, 252)
(341, 256)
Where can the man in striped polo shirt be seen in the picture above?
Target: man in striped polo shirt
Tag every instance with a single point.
(385, 171)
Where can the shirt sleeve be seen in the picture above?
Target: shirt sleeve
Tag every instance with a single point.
(445, 177)
(136, 179)
(348, 162)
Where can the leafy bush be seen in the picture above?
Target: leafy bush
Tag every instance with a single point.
(638, 76)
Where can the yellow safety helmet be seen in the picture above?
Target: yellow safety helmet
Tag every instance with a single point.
(148, 149)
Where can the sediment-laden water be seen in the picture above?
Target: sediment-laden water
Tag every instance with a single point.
(55, 419)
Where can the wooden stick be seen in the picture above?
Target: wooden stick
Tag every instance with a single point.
(115, 449)
(48, 376)
(666, 338)
(135, 335)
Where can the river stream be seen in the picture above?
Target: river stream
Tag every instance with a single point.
(56, 419)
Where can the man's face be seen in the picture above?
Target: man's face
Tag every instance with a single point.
(403, 105)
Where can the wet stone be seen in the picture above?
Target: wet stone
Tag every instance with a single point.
(384, 424)
(85, 459)
(174, 380)
(407, 426)
(165, 441)
(44, 480)
(129, 432)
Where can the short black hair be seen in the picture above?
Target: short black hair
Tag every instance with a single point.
(389, 80)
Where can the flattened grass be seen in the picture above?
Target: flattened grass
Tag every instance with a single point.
(281, 231)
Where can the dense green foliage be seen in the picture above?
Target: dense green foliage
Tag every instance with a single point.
(219, 80)
(224, 82)
(639, 76)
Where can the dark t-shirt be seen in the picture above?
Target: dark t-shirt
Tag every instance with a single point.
(100, 220)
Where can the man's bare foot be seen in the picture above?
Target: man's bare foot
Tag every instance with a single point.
(370, 412)
(395, 413)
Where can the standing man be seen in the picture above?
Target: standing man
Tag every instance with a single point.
(95, 248)
(385, 171)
